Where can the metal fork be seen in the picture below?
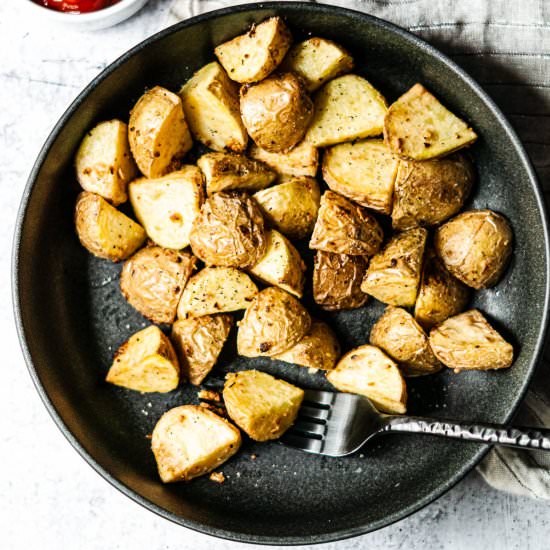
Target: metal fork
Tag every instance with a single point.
(338, 424)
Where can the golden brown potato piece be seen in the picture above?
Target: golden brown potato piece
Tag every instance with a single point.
(190, 441)
(429, 192)
(216, 290)
(291, 207)
(276, 112)
(198, 342)
(273, 323)
(440, 295)
(368, 371)
(468, 341)
(475, 247)
(253, 56)
(343, 227)
(281, 265)
(153, 279)
(229, 231)
(103, 230)
(211, 105)
(302, 160)
(346, 108)
(104, 163)
(158, 133)
(393, 275)
(261, 405)
(316, 61)
(418, 127)
(363, 171)
(229, 171)
(402, 338)
(147, 362)
(337, 280)
(167, 206)
(318, 349)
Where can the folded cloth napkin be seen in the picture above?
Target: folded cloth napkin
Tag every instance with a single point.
(505, 46)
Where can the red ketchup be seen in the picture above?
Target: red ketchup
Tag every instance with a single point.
(76, 6)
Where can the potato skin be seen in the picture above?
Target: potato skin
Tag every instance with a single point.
(229, 231)
(475, 247)
(276, 112)
(302, 160)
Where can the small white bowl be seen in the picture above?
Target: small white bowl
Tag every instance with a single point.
(91, 21)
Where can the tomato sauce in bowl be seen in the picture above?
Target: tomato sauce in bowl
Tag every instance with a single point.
(76, 6)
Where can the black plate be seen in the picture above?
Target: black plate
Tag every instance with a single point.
(71, 315)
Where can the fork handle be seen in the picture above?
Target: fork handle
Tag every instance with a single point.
(526, 438)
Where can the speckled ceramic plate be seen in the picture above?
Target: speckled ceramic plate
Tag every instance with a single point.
(71, 315)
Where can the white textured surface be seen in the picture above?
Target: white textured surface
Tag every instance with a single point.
(49, 497)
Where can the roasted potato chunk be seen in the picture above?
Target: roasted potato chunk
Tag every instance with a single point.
(211, 105)
(429, 192)
(103, 230)
(337, 280)
(393, 275)
(167, 206)
(229, 231)
(291, 207)
(475, 247)
(104, 163)
(158, 133)
(318, 349)
(147, 362)
(216, 290)
(343, 227)
(467, 341)
(229, 171)
(402, 338)
(198, 342)
(301, 160)
(153, 279)
(418, 127)
(273, 323)
(190, 441)
(368, 371)
(253, 56)
(346, 108)
(281, 265)
(261, 405)
(363, 171)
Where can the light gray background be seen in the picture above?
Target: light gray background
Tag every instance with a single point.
(49, 497)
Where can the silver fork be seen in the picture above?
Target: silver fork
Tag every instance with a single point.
(338, 424)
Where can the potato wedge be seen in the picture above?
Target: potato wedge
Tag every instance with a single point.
(211, 105)
(316, 61)
(146, 362)
(261, 405)
(346, 108)
(318, 349)
(402, 338)
(104, 163)
(343, 227)
(255, 55)
(301, 160)
(337, 280)
(168, 206)
(216, 290)
(229, 171)
(103, 230)
(153, 279)
(190, 441)
(418, 127)
(467, 341)
(198, 341)
(368, 371)
(363, 171)
(291, 207)
(158, 133)
(281, 265)
(273, 323)
(393, 275)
